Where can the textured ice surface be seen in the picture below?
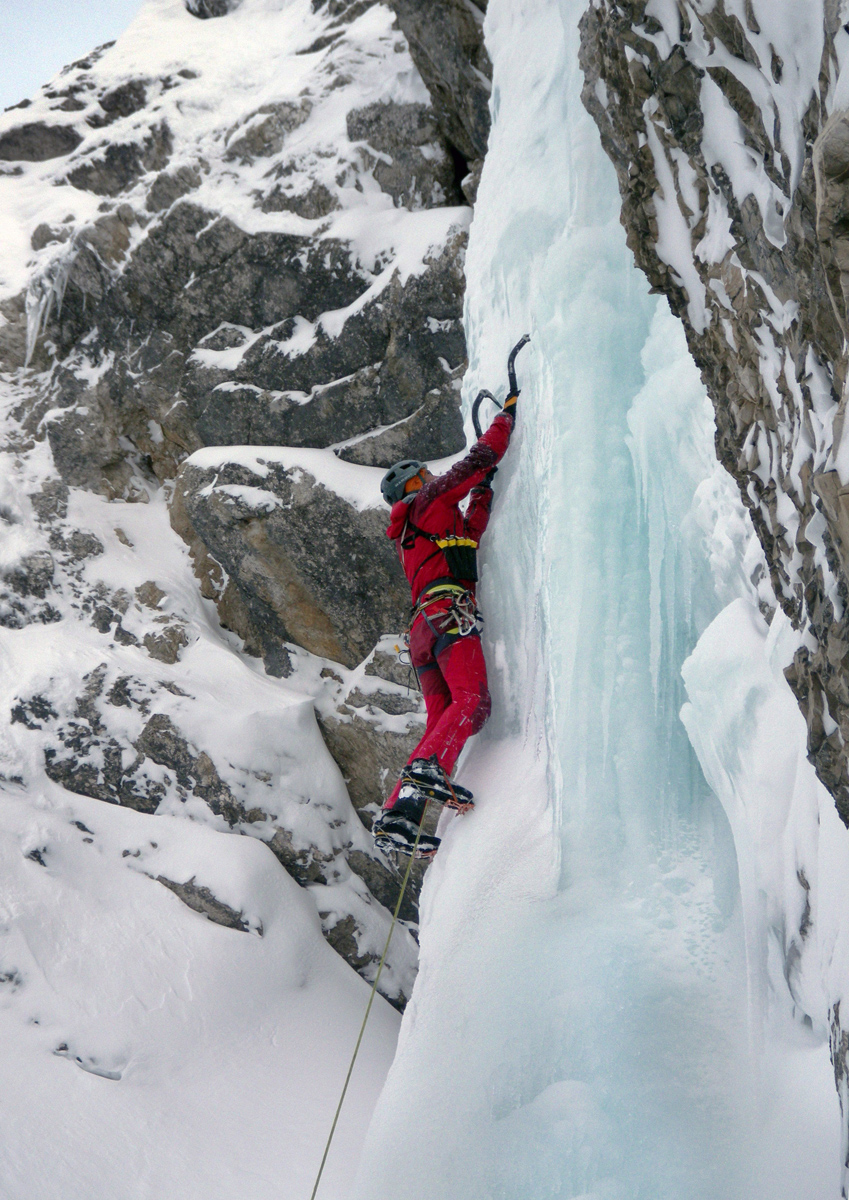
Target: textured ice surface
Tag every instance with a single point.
(581, 1025)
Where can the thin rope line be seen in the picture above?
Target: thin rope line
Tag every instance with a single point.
(370, 1002)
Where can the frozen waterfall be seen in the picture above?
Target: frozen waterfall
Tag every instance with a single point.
(593, 1016)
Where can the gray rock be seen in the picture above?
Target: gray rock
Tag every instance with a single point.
(162, 742)
(86, 449)
(370, 748)
(81, 545)
(445, 38)
(341, 935)
(44, 234)
(194, 272)
(120, 166)
(205, 902)
(387, 665)
(51, 502)
(16, 613)
(124, 100)
(33, 575)
(434, 430)
(38, 142)
(313, 204)
(83, 756)
(24, 588)
(306, 865)
(385, 885)
(211, 8)
(265, 131)
(419, 173)
(166, 645)
(470, 183)
(394, 702)
(150, 594)
(13, 334)
(310, 570)
(446, 42)
(369, 757)
(387, 364)
(830, 160)
(171, 186)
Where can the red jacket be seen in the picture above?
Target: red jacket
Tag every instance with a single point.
(435, 508)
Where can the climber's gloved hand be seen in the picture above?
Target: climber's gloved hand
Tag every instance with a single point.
(509, 408)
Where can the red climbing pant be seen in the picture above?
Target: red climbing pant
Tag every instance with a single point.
(455, 692)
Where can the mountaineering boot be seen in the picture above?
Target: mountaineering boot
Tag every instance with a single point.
(397, 828)
(428, 776)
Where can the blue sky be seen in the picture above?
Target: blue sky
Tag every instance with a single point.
(39, 37)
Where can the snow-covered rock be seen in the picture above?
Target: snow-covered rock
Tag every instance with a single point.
(247, 229)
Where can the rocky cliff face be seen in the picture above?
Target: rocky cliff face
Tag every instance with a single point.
(260, 248)
(730, 169)
(726, 123)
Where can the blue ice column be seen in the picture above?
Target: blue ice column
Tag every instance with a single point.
(578, 1021)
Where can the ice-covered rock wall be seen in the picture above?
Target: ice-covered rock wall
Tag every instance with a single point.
(727, 127)
(724, 124)
(622, 992)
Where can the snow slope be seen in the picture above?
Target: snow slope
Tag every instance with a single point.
(148, 1051)
(230, 1046)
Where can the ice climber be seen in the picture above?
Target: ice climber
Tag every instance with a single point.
(437, 543)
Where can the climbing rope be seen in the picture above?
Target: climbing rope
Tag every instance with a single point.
(370, 1002)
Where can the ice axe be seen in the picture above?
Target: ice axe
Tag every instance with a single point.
(483, 394)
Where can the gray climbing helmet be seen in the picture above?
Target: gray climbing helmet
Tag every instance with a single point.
(396, 478)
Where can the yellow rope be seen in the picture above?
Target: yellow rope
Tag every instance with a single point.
(370, 1002)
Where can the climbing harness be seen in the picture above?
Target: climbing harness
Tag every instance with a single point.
(398, 904)
(440, 589)
(460, 619)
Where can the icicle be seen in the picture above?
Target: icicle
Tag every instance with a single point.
(46, 291)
